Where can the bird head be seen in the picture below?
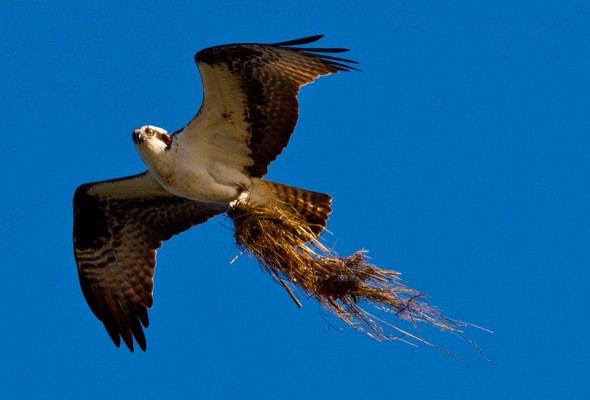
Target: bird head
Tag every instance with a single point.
(151, 139)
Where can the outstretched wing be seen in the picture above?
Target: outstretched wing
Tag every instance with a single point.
(118, 225)
(250, 105)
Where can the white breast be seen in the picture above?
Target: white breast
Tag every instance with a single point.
(197, 176)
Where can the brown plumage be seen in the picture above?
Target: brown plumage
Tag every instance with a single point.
(313, 207)
(118, 226)
(254, 88)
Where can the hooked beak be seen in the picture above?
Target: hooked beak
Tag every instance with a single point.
(137, 136)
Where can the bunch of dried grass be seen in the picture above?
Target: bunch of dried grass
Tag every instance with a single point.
(290, 252)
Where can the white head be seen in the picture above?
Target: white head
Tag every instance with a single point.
(151, 141)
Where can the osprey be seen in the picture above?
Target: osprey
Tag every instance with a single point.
(247, 116)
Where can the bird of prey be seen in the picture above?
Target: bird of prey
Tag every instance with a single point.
(247, 116)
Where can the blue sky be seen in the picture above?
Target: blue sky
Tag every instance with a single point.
(459, 156)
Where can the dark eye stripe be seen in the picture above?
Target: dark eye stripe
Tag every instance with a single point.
(164, 138)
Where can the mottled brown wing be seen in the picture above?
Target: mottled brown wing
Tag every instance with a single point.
(118, 225)
(250, 105)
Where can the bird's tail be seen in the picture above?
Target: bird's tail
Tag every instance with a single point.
(313, 207)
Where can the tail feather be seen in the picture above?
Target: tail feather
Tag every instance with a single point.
(313, 207)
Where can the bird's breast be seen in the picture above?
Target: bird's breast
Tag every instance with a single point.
(209, 183)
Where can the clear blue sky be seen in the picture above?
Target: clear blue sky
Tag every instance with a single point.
(459, 156)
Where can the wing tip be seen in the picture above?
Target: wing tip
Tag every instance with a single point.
(122, 323)
(139, 337)
(212, 55)
(300, 41)
(340, 64)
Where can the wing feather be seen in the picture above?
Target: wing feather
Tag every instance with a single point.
(118, 226)
(250, 105)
